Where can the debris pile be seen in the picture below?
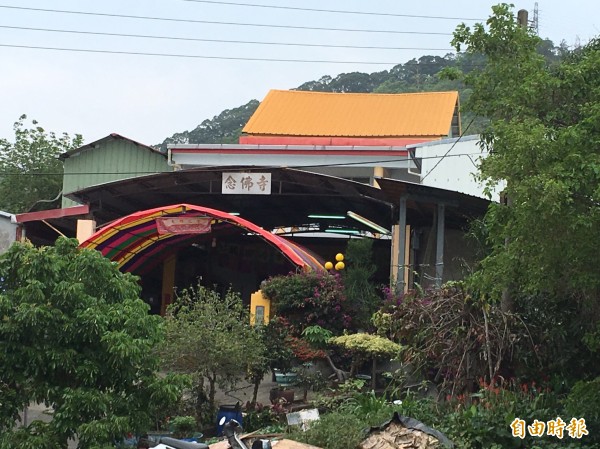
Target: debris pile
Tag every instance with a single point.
(405, 433)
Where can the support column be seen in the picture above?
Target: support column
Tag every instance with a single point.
(168, 282)
(85, 229)
(394, 255)
(402, 262)
(439, 249)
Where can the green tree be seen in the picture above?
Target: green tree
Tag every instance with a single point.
(361, 293)
(30, 172)
(543, 135)
(75, 336)
(210, 337)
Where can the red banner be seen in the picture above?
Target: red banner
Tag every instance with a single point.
(183, 225)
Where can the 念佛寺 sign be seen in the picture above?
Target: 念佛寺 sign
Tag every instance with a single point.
(246, 183)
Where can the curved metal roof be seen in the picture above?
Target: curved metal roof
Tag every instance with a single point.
(135, 239)
(295, 195)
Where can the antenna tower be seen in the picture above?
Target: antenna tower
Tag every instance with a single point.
(535, 24)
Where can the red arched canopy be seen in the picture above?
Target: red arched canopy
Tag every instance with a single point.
(132, 240)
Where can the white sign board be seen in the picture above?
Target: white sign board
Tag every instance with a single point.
(303, 418)
(246, 183)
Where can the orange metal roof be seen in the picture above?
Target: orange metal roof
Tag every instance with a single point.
(300, 113)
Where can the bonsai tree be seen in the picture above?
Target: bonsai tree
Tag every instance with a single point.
(364, 347)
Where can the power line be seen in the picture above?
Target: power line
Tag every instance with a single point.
(260, 25)
(147, 36)
(175, 55)
(449, 150)
(333, 11)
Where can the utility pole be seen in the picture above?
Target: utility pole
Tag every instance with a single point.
(522, 17)
(507, 302)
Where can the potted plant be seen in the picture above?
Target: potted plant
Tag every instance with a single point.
(309, 378)
(279, 354)
(286, 379)
(183, 427)
(282, 394)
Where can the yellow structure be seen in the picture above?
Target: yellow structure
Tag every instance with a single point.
(260, 308)
(85, 229)
(299, 113)
(168, 282)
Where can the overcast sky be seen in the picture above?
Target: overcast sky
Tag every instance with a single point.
(148, 98)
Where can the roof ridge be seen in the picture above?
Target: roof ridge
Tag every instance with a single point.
(314, 92)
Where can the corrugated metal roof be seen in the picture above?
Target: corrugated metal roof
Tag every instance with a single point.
(299, 113)
(112, 136)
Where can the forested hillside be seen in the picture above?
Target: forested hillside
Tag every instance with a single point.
(417, 75)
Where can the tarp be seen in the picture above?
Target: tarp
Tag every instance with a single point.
(132, 240)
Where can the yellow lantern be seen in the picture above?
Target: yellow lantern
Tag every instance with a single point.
(328, 265)
(339, 257)
(339, 266)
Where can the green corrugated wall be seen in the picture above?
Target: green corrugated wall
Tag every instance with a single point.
(112, 160)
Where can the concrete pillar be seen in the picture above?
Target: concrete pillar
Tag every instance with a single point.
(402, 262)
(439, 250)
(168, 282)
(85, 229)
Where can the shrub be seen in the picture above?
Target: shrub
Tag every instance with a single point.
(310, 298)
(370, 408)
(261, 416)
(451, 336)
(584, 402)
(482, 420)
(182, 426)
(361, 293)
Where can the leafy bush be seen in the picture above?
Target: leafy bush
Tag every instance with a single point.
(482, 420)
(262, 416)
(316, 336)
(584, 402)
(75, 336)
(361, 293)
(369, 407)
(310, 298)
(182, 426)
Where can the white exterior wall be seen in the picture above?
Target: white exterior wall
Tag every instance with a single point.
(283, 160)
(8, 231)
(452, 164)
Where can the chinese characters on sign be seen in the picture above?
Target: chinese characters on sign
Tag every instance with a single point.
(183, 225)
(555, 427)
(246, 183)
